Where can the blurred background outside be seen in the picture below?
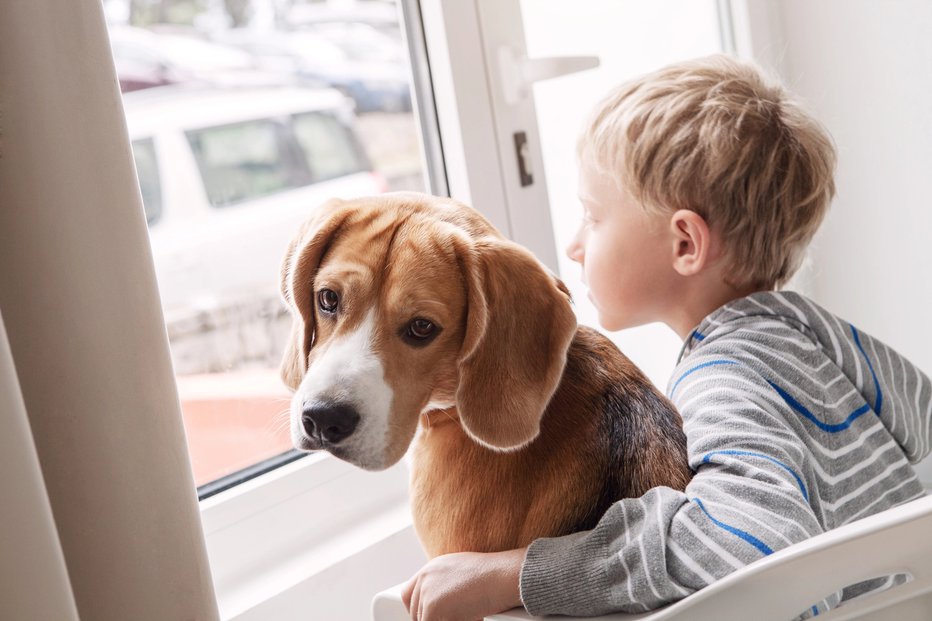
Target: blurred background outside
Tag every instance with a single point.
(244, 116)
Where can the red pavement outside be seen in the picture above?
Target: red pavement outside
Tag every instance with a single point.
(233, 420)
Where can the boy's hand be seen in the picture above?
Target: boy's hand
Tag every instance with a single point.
(465, 586)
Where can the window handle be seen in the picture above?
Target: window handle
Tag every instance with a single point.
(518, 72)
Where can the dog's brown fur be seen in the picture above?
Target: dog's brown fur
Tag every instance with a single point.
(546, 425)
(606, 435)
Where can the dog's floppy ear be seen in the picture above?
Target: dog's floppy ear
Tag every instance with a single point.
(299, 267)
(519, 325)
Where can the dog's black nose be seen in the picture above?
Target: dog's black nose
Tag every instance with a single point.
(332, 423)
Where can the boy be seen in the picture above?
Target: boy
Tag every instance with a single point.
(702, 185)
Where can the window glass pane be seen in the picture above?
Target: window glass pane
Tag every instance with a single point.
(244, 117)
(330, 149)
(147, 169)
(244, 161)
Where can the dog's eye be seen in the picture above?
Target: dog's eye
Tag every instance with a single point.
(421, 330)
(328, 300)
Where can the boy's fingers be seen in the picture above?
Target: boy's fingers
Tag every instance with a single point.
(408, 590)
(415, 599)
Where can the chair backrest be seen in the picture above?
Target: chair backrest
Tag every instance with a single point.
(788, 582)
(791, 580)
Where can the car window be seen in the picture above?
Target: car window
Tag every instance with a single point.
(246, 160)
(330, 147)
(147, 169)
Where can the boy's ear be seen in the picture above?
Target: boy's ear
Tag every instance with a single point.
(694, 245)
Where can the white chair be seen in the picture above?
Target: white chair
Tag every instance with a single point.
(782, 585)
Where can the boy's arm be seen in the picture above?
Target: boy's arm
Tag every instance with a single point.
(749, 497)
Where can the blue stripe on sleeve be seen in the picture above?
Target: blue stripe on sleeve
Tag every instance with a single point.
(751, 539)
(696, 368)
(829, 427)
(799, 480)
(878, 402)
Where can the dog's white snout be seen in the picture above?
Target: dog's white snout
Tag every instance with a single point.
(344, 398)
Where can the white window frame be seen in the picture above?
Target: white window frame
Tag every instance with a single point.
(476, 125)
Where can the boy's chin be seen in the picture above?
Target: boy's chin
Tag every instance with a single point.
(615, 323)
(606, 321)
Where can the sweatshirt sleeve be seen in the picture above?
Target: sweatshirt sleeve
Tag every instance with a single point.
(748, 498)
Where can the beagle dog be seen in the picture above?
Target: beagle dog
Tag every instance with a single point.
(415, 319)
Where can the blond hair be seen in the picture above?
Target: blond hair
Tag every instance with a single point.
(717, 137)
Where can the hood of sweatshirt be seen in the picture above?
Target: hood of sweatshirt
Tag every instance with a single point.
(893, 387)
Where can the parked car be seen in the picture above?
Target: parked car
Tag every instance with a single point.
(382, 16)
(361, 42)
(375, 83)
(146, 59)
(227, 176)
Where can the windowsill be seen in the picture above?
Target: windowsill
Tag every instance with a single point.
(258, 588)
(275, 537)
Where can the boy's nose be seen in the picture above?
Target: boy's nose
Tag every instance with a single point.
(575, 250)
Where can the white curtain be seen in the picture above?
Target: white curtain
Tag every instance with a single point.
(86, 384)
(33, 580)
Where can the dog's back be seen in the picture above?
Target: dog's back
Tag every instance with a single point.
(607, 434)
(639, 442)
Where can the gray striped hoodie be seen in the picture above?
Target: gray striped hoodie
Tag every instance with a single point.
(796, 423)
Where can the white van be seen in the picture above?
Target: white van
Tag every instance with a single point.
(227, 176)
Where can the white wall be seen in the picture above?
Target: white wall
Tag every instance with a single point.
(864, 67)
